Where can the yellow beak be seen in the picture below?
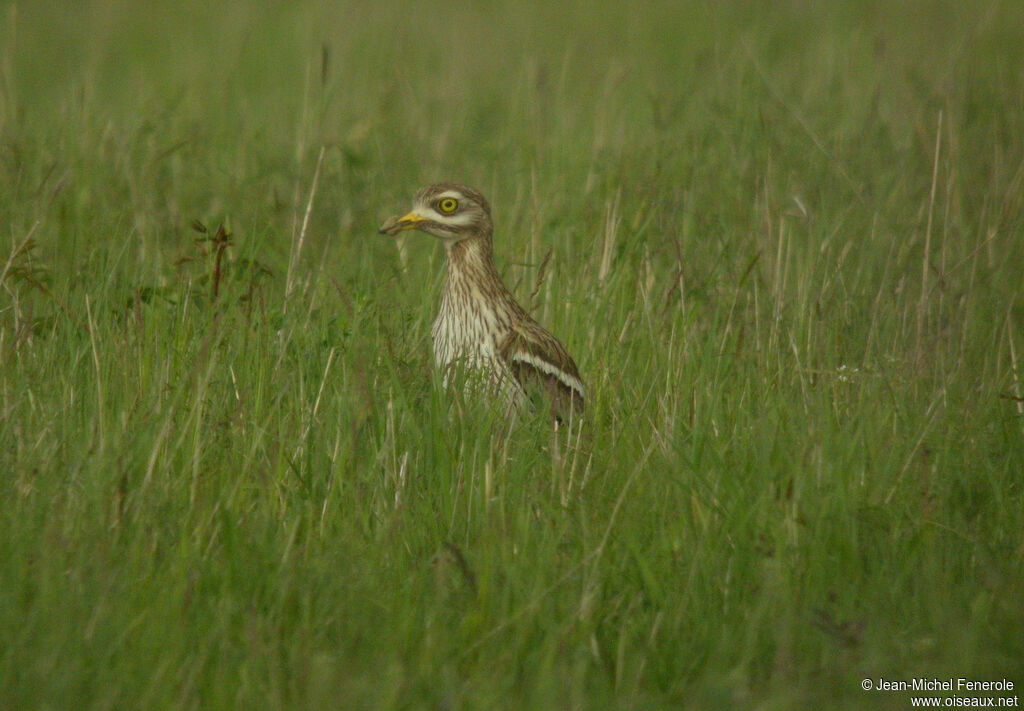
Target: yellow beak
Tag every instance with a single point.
(394, 226)
(409, 221)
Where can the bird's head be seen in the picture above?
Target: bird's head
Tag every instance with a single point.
(449, 211)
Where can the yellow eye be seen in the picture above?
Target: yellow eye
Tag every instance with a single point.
(448, 205)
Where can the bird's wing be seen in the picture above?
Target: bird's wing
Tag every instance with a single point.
(539, 362)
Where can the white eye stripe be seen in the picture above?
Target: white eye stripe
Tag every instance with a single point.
(459, 219)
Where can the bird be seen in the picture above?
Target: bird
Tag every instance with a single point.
(479, 323)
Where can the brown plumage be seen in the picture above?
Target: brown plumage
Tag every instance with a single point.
(480, 324)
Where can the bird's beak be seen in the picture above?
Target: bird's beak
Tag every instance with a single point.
(392, 226)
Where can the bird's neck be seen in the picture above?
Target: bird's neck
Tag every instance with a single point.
(472, 258)
(474, 304)
(474, 295)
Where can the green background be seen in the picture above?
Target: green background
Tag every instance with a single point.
(783, 241)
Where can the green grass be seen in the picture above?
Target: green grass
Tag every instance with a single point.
(786, 243)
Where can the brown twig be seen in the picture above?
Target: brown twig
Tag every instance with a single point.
(541, 275)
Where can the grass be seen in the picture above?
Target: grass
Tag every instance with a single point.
(786, 251)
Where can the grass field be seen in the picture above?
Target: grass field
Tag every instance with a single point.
(786, 249)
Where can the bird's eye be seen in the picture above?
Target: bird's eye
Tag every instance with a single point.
(448, 205)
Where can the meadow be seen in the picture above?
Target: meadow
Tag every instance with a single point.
(784, 242)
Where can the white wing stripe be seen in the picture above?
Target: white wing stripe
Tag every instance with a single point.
(569, 381)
